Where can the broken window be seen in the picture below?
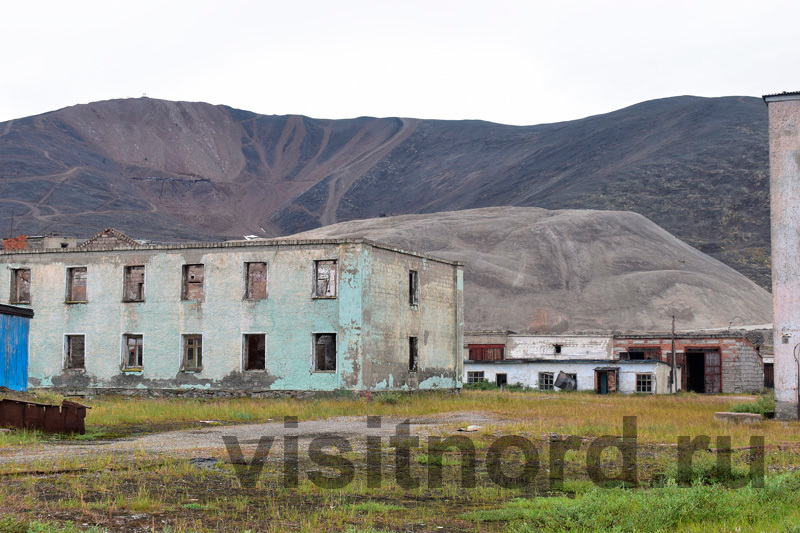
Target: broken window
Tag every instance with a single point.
(193, 282)
(75, 357)
(546, 381)
(413, 354)
(324, 352)
(474, 377)
(644, 352)
(134, 284)
(21, 286)
(557, 348)
(192, 352)
(132, 354)
(501, 380)
(255, 352)
(413, 287)
(644, 383)
(325, 279)
(76, 284)
(256, 281)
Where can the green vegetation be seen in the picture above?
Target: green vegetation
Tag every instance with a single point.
(764, 405)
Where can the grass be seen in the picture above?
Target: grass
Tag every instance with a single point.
(168, 494)
(764, 405)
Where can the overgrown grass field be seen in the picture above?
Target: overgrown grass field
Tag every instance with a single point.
(141, 493)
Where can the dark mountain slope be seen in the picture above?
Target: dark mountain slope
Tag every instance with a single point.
(176, 170)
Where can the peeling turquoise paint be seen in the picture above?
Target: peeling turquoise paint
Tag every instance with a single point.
(370, 316)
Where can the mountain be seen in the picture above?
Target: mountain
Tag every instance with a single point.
(189, 171)
(533, 270)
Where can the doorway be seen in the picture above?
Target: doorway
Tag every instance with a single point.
(501, 379)
(703, 371)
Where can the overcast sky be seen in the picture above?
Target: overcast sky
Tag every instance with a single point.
(514, 62)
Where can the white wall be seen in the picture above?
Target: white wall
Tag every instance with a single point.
(572, 347)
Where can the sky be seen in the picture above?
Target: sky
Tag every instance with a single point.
(513, 62)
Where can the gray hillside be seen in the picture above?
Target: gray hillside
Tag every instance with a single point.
(533, 270)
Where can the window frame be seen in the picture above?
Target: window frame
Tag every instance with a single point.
(543, 378)
(70, 275)
(68, 352)
(198, 367)
(185, 282)
(125, 277)
(413, 288)
(247, 293)
(124, 367)
(475, 376)
(246, 351)
(645, 377)
(14, 290)
(314, 358)
(413, 354)
(316, 278)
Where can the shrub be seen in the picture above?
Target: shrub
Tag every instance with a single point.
(764, 405)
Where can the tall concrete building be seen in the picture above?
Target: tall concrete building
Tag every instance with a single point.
(784, 165)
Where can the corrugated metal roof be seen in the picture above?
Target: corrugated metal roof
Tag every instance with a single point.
(784, 93)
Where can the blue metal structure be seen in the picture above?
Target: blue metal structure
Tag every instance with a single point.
(14, 329)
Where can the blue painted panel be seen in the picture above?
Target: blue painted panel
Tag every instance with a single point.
(14, 352)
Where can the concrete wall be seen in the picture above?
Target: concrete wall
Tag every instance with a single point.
(289, 316)
(527, 373)
(784, 165)
(742, 368)
(572, 347)
(392, 319)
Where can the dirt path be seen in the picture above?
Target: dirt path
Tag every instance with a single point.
(209, 441)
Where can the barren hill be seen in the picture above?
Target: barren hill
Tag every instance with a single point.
(533, 270)
(188, 171)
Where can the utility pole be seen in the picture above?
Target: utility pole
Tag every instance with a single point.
(674, 380)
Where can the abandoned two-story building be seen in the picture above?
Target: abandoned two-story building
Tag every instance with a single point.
(247, 316)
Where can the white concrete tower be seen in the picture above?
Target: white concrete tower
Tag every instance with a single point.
(784, 168)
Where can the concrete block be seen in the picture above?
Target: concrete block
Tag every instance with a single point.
(737, 418)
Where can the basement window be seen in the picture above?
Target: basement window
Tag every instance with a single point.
(255, 351)
(325, 279)
(134, 284)
(644, 383)
(21, 286)
(76, 285)
(413, 287)
(75, 356)
(132, 352)
(193, 276)
(324, 352)
(475, 377)
(256, 280)
(545, 381)
(192, 353)
(413, 354)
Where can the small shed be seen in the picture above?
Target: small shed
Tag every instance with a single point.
(14, 328)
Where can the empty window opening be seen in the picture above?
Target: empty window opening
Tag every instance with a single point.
(324, 352)
(132, 356)
(21, 286)
(134, 283)
(325, 279)
(255, 352)
(486, 352)
(192, 352)
(193, 276)
(256, 281)
(644, 383)
(413, 354)
(76, 284)
(557, 348)
(546, 381)
(644, 353)
(413, 287)
(501, 379)
(475, 377)
(76, 352)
